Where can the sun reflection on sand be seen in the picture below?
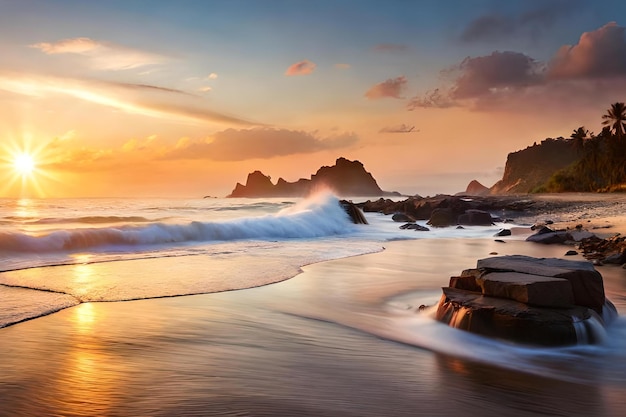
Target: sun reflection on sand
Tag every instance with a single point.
(87, 382)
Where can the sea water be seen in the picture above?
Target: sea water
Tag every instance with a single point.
(233, 243)
(346, 335)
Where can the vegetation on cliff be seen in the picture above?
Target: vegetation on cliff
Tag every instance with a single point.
(601, 159)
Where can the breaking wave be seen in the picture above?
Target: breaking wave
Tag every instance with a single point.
(317, 216)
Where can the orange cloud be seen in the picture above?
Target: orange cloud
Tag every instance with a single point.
(101, 55)
(598, 54)
(239, 145)
(392, 88)
(303, 67)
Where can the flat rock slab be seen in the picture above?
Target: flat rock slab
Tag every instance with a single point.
(511, 320)
(586, 282)
(535, 290)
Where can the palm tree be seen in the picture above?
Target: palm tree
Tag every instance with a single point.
(616, 117)
(579, 135)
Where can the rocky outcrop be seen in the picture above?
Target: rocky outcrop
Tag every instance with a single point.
(345, 178)
(538, 301)
(532, 167)
(475, 188)
(355, 214)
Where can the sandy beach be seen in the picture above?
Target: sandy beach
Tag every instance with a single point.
(343, 338)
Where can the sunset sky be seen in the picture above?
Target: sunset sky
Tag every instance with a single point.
(185, 98)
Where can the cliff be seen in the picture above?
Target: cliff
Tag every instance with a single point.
(345, 178)
(532, 167)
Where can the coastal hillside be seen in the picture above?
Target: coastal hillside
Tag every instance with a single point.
(530, 168)
(345, 178)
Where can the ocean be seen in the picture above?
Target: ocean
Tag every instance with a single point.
(163, 307)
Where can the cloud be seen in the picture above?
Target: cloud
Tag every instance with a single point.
(212, 76)
(589, 73)
(393, 87)
(143, 99)
(533, 21)
(390, 47)
(403, 128)
(432, 99)
(598, 54)
(497, 71)
(243, 144)
(303, 67)
(102, 55)
(342, 66)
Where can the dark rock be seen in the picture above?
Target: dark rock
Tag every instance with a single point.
(441, 217)
(571, 253)
(345, 178)
(549, 222)
(460, 227)
(549, 237)
(475, 217)
(538, 301)
(535, 290)
(616, 258)
(499, 240)
(586, 282)
(401, 217)
(353, 211)
(415, 226)
(504, 232)
(510, 320)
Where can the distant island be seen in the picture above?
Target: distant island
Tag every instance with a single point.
(345, 178)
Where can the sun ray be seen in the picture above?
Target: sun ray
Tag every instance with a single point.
(22, 167)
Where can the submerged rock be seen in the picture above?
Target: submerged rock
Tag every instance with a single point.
(539, 301)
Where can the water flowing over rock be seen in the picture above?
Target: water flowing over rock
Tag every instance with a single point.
(537, 301)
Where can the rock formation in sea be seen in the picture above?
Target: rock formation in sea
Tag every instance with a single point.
(537, 301)
(345, 178)
(475, 188)
(532, 167)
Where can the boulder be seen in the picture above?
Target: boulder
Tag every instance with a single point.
(548, 236)
(511, 320)
(475, 217)
(540, 301)
(415, 226)
(441, 217)
(401, 217)
(504, 232)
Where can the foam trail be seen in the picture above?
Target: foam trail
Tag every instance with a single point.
(318, 216)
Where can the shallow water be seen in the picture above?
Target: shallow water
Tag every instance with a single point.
(341, 339)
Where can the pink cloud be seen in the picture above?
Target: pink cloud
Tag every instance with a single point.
(598, 54)
(393, 87)
(303, 67)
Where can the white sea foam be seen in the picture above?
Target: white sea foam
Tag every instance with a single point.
(315, 217)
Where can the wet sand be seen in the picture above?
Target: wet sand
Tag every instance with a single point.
(321, 344)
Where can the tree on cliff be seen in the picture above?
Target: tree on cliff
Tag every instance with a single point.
(579, 135)
(616, 118)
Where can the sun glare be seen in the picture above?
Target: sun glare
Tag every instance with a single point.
(24, 164)
(23, 168)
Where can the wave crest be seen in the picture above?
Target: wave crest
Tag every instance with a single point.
(318, 216)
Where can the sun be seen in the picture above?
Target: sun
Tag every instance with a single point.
(24, 164)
